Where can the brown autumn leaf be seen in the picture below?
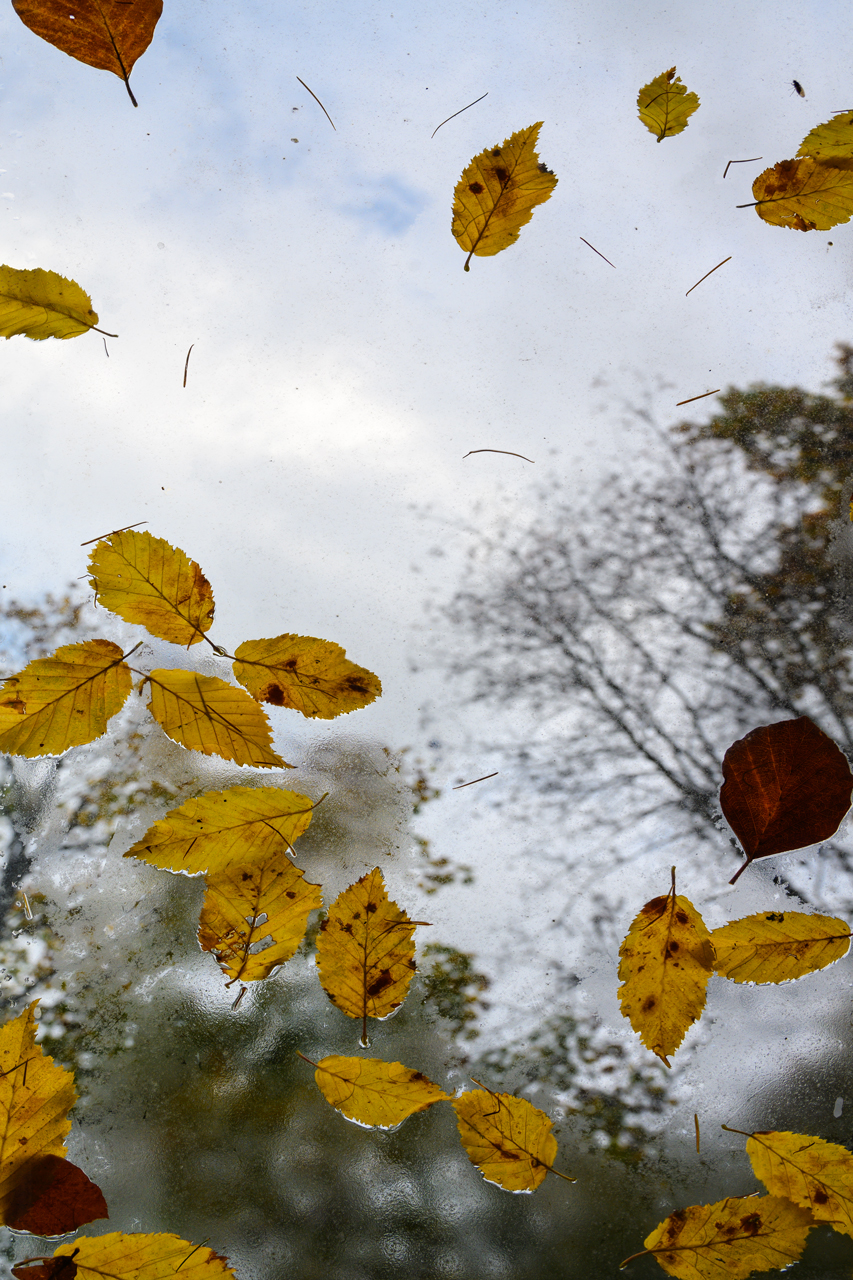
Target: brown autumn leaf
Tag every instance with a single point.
(786, 785)
(107, 34)
(42, 1268)
(52, 1196)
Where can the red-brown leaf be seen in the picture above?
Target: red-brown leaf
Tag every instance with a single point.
(786, 785)
(53, 1197)
(62, 1268)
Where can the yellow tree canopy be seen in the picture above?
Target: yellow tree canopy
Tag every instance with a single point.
(42, 304)
(497, 194)
(665, 106)
(805, 194)
(255, 916)
(366, 952)
(63, 701)
(815, 1174)
(730, 1239)
(308, 675)
(145, 580)
(107, 34)
(777, 946)
(35, 1097)
(203, 713)
(507, 1138)
(666, 960)
(830, 141)
(223, 829)
(130, 1256)
(375, 1093)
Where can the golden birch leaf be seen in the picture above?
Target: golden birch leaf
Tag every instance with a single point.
(729, 1240)
(305, 674)
(223, 829)
(123, 1255)
(145, 580)
(63, 701)
(42, 304)
(366, 951)
(815, 1174)
(35, 1097)
(665, 105)
(805, 194)
(497, 193)
(203, 713)
(254, 917)
(830, 141)
(666, 960)
(507, 1138)
(777, 946)
(377, 1094)
(107, 34)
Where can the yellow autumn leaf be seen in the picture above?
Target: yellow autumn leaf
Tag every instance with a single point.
(666, 960)
(254, 916)
(35, 1097)
(777, 946)
(42, 304)
(305, 674)
(831, 140)
(203, 713)
(815, 1174)
(730, 1239)
(375, 1093)
(123, 1255)
(223, 829)
(497, 194)
(366, 952)
(63, 701)
(108, 34)
(805, 194)
(507, 1138)
(665, 105)
(145, 580)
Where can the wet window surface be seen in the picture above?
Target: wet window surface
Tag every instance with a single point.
(583, 509)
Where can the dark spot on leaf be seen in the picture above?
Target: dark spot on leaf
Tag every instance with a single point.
(291, 893)
(820, 1196)
(379, 984)
(671, 947)
(681, 916)
(654, 908)
(777, 916)
(496, 151)
(420, 1077)
(273, 693)
(245, 876)
(347, 928)
(649, 1004)
(291, 664)
(476, 188)
(751, 1224)
(502, 176)
(371, 907)
(357, 684)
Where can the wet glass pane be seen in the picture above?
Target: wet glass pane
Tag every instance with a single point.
(582, 509)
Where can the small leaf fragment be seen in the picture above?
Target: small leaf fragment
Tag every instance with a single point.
(145, 580)
(63, 1268)
(665, 105)
(52, 1196)
(365, 951)
(254, 917)
(786, 785)
(219, 830)
(805, 194)
(497, 193)
(63, 701)
(830, 141)
(778, 946)
(43, 304)
(378, 1094)
(812, 1173)
(507, 1138)
(308, 675)
(665, 962)
(731, 1239)
(123, 1255)
(203, 713)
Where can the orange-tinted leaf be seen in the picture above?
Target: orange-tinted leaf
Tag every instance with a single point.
(805, 194)
(365, 951)
(35, 1098)
(375, 1093)
(815, 1174)
(63, 701)
(254, 917)
(778, 946)
(52, 1196)
(665, 962)
(129, 1256)
(223, 829)
(203, 713)
(507, 1138)
(786, 785)
(107, 34)
(146, 580)
(308, 675)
